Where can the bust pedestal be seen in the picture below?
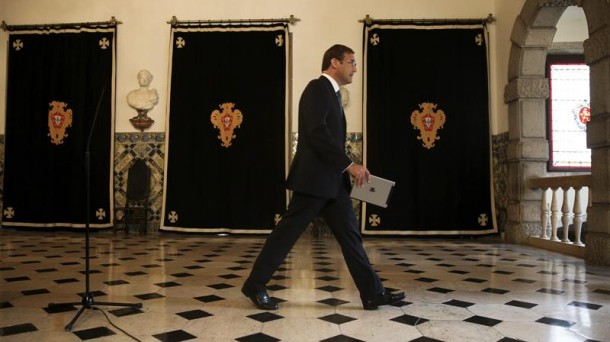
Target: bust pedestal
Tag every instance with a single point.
(141, 121)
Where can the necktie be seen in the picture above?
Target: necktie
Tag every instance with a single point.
(343, 129)
(339, 100)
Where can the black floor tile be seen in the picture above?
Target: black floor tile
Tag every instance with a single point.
(555, 322)
(265, 317)
(426, 280)
(425, 339)
(17, 329)
(259, 337)
(337, 318)
(475, 280)
(194, 267)
(490, 322)
(93, 333)
(551, 291)
(520, 304)
(168, 284)
(148, 296)
(440, 290)
(116, 282)
(329, 288)
(525, 281)
(66, 281)
(59, 308)
(333, 301)
(14, 279)
(35, 292)
(194, 314)
(126, 311)
(495, 291)
(4, 305)
(409, 320)
(341, 338)
(503, 272)
(585, 305)
(174, 336)
(458, 303)
(227, 276)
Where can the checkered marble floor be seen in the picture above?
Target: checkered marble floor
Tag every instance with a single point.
(189, 288)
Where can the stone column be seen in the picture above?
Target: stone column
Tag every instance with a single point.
(525, 95)
(597, 56)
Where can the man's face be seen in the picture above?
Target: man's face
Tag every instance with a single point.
(346, 69)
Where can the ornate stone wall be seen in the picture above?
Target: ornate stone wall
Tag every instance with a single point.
(151, 148)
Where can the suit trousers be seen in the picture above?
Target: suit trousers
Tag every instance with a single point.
(340, 218)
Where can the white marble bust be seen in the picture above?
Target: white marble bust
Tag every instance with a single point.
(143, 99)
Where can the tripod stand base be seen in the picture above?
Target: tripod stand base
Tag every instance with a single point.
(88, 303)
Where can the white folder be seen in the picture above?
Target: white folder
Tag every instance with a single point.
(377, 191)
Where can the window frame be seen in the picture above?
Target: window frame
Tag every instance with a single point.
(553, 59)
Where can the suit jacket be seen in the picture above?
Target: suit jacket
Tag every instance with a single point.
(320, 159)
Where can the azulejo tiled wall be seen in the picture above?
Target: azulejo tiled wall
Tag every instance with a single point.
(499, 146)
(151, 148)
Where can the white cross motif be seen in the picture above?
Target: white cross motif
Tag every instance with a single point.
(279, 40)
(277, 219)
(483, 219)
(100, 214)
(374, 220)
(172, 217)
(104, 43)
(9, 212)
(180, 42)
(479, 39)
(18, 44)
(375, 39)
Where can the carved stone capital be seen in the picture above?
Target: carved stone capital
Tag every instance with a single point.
(597, 46)
(526, 88)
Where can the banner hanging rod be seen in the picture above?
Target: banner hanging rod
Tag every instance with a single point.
(112, 22)
(174, 21)
(369, 21)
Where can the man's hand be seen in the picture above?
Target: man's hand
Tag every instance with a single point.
(360, 174)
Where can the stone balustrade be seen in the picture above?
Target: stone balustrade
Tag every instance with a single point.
(569, 199)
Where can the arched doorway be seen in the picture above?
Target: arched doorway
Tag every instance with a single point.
(526, 93)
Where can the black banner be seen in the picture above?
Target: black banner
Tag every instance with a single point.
(227, 138)
(427, 129)
(56, 78)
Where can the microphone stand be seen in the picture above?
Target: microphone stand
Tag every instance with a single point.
(87, 301)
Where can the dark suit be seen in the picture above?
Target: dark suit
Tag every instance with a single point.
(320, 187)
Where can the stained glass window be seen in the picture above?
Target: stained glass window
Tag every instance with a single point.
(569, 113)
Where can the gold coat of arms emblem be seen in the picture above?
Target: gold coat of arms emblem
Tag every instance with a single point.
(226, 120)
(60, 118)
(428, 122)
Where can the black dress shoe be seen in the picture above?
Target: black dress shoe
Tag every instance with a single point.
(261, 299)
(385, 298)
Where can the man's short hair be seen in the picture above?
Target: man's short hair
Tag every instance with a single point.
(337, 51)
